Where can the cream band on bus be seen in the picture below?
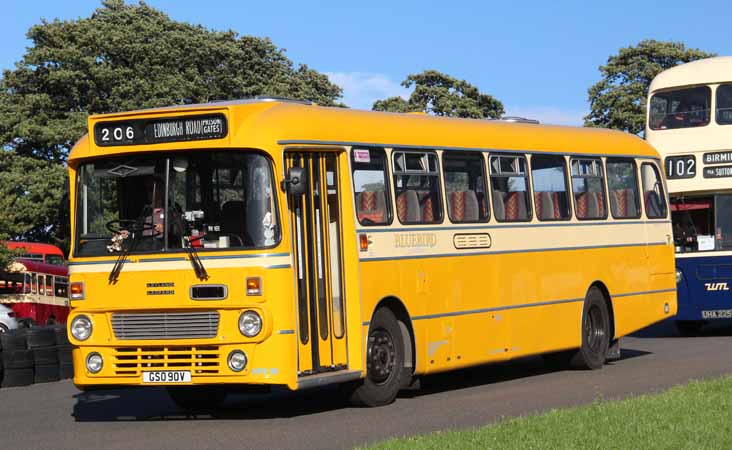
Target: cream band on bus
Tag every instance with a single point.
(298, 245)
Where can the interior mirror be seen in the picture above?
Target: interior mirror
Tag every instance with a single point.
(295, 183)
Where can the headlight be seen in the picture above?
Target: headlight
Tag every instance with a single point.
(250, 323)
(81, 328)
(237, 360)
(94, 362)
(679, 276)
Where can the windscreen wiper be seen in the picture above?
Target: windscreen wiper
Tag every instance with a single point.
(122, 258)
(195, 260)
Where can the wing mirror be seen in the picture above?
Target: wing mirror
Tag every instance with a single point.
(296, 182)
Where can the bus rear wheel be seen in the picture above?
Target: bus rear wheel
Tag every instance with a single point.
(197, 398)
(384, 362)
(595, 332)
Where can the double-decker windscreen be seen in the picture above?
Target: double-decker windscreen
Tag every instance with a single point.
(163, 202)
(680, 108)
(702, 223)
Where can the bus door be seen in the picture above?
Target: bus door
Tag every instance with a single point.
(657, 229)
(316, 219)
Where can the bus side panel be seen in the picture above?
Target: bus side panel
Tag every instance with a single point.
(706, 286)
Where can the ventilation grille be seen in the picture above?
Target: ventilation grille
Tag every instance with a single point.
(473, 240)
(188, 325)
(203, 360)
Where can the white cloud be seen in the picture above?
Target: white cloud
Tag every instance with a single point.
(362, 89)
(549, 115)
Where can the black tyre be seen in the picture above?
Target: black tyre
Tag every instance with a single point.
(62, 337)
(384, 362)
(41, 337)
(595, 332)
(64, 354)
(197, 398)
(65, 371)
(17, 377)
(45, 356)
(689, 328)
(13, 340)
(46, 373)
(3, 329)
(17, 359)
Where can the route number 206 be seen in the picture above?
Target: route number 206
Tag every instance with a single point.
(117, 134)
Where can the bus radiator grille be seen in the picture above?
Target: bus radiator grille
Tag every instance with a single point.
(200, 360)
(166, 325)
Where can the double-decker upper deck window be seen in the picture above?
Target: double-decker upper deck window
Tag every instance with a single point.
(510, 187)
(417, 187)
(549, 176)
(465, 187)
(588, 187)
(655, 200)
(724, 104)
(159, 202)
(622, 183)
(373, 206)
(680, 108)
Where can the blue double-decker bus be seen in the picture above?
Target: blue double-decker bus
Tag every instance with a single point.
(690, 124)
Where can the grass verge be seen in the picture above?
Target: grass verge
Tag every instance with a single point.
(694, 416)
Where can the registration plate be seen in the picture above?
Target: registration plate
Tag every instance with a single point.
(167, 376)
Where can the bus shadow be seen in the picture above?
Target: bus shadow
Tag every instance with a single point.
(153, 403)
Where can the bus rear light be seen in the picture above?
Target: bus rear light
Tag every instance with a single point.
(363, 240)
(76, 290)
(254, 286)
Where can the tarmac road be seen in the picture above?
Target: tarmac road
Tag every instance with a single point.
(57, 416)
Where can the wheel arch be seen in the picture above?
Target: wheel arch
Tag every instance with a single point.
(405, 324)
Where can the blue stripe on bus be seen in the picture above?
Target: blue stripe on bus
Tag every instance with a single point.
(525, 305)
(441, 147)
(286, 332)
(279, 266)
(492, 227)
(503, 252)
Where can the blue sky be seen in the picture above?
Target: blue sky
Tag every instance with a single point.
(537, 57)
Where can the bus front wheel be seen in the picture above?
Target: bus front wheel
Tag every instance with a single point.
(595, 332)
(384, 362)
(197, 398)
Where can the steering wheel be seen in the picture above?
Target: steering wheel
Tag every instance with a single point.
(117, 225)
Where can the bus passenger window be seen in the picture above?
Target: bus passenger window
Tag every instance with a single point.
(622, 183)
(465, 187)
(417, 187)
(653, 192)
(370, 186)
(510, 187)
(724, 104)
(588, 187)
(549, 178)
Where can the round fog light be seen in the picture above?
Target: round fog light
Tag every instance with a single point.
(237, 360)
(94, 362)
(250, 323)
(81, 328)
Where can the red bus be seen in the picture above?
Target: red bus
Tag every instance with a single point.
(36, 290)
(36, 251)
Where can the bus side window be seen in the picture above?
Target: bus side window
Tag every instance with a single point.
(417, 187)
(49, 285)
(653, 196)
(622, 183)
(61, 287)
(370, 186)
(34, 283)
(510, 188)
(588, 187)
(549, 179)
(464, 178)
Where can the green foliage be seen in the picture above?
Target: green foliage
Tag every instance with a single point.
(31, 193)
(442, 95)
(127, 57)
(618, 100)
(695, 416)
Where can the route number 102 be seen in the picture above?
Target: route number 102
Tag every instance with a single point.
(680, 167)
(118, 134)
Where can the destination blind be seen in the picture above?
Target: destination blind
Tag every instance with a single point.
(155, 131)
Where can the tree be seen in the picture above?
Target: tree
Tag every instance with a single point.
(442, 95)
(618, 100)
(31, 191)
(128, 57)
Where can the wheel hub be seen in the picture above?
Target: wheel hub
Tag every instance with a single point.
(381, 356)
